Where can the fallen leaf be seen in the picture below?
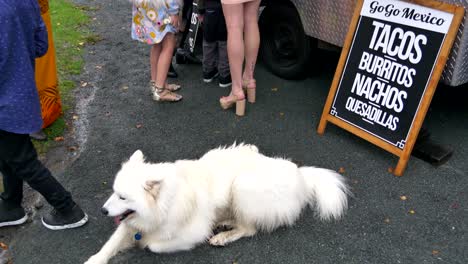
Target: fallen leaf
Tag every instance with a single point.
(411, 211)
(138, 125)
(387, 220)
(72, 148)
(390, 169)
(403, 198)
(59, 139)
(341, 170)
(83, 84)
(81, 43)
(3, 246)
(435, 252)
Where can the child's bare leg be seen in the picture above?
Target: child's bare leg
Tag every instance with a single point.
(165, 58)
(163, 92)
(154, 58)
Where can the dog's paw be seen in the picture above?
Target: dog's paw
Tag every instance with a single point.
(154, 248)
(96, 259)
(218, 240)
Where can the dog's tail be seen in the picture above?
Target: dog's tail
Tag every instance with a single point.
(327, 192)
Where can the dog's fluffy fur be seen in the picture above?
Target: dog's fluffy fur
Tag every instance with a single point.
(175, 206)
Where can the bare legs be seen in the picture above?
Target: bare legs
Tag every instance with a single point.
(160, 60)
(243, 43)
(251, 38)
(154, 58)
(234, 15)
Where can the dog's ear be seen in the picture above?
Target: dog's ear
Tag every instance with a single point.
(152, 186)
(137, 157)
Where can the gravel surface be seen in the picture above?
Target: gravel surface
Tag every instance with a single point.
(117, 116)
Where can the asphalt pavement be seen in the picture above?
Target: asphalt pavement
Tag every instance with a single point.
(117, 116)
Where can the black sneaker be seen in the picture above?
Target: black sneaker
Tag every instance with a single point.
(225, 81)
(56, 220)
(209, 76)
(11, 215)
(172, 72)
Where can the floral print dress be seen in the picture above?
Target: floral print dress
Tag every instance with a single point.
(150, 25)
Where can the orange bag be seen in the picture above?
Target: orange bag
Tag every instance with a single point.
(46, 75)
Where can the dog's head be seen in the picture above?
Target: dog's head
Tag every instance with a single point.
(137, 188)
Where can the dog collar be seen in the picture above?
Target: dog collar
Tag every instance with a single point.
(137, 236)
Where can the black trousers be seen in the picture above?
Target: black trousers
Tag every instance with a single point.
(214, 25)
(18, 163)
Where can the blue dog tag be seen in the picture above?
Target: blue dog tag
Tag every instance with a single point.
(138, 236)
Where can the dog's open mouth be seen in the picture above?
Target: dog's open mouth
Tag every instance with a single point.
(123, 216)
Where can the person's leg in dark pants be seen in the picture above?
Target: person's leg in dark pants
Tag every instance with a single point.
(13, 186)
(11, 212)
(20, 157)
(210, 60)
(223, 65)
(20, 163)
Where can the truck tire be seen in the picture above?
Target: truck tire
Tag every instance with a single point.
(285, 48)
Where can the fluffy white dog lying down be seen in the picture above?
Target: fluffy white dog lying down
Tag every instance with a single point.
(167, 207)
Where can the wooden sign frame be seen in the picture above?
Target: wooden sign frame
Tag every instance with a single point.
(405, 152)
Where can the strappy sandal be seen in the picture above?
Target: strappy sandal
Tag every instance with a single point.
(164, 95)
(171, 87)
(250, 86)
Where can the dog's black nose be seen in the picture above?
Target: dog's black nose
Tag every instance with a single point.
(104, 211)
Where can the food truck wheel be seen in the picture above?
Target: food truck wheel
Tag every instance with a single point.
(285, 48)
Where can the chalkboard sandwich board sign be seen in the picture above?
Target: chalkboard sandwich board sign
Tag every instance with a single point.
(390, 65)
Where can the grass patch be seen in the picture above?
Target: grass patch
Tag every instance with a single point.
(69, 27)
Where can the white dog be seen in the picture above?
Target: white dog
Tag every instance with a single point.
(168, 207)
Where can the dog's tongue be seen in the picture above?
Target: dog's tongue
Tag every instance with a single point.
(117, 220)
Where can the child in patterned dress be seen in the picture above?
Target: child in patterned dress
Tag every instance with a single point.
(156, 22)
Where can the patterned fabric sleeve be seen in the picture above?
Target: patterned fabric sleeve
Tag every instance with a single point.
(173, 7)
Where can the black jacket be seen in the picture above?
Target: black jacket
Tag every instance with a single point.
(204, 4)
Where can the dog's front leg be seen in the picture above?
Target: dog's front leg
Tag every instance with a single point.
(121, 239)
(169, 246)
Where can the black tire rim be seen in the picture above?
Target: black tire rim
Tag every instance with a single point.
(284, 45)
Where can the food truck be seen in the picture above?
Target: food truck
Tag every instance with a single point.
(292, 29)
